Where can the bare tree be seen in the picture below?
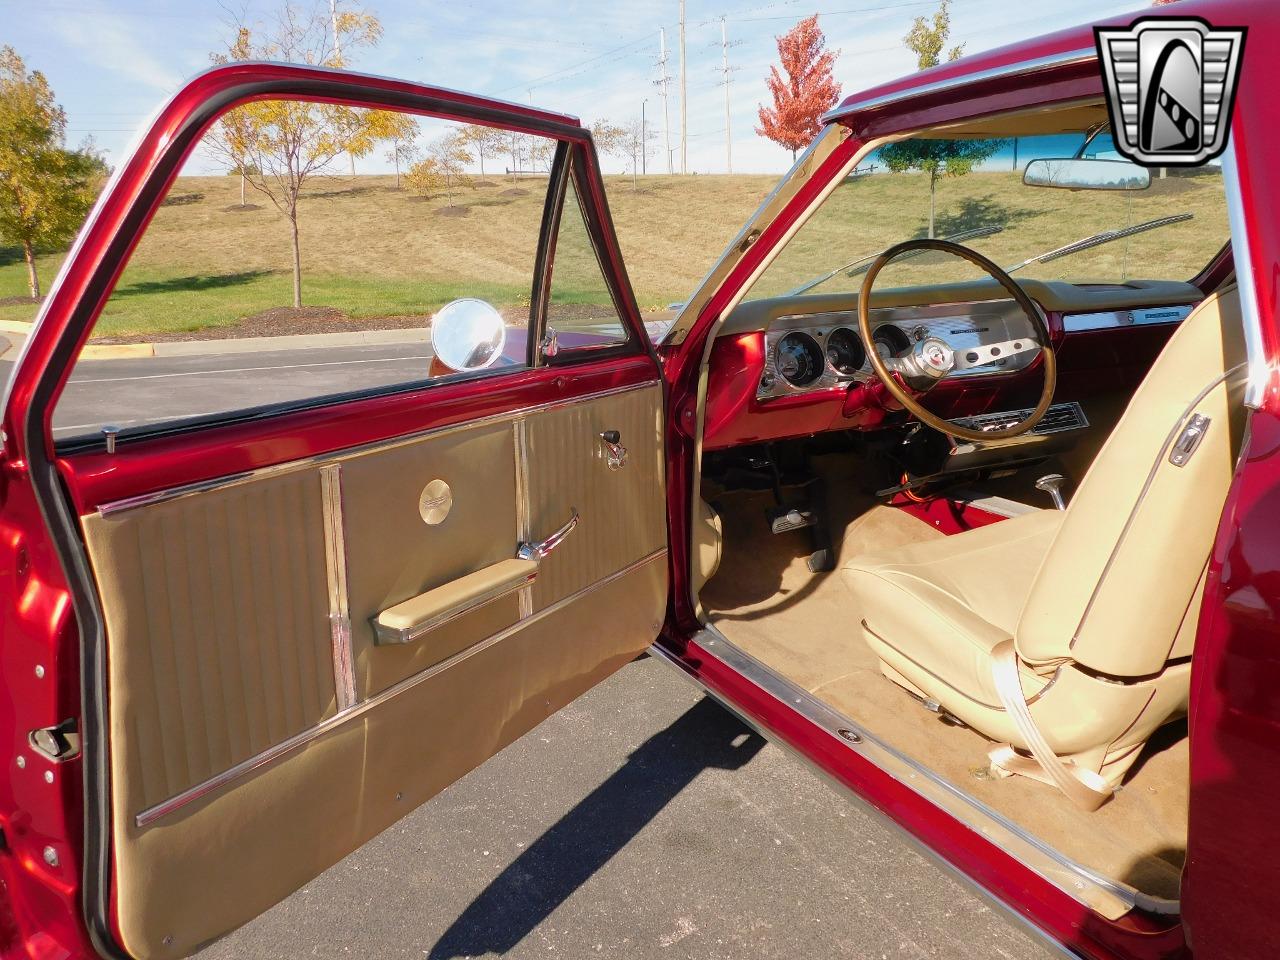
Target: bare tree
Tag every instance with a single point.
(484, 141)
(277, 145)
(637, 140)
(401, 132)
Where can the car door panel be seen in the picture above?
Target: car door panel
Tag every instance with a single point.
(225, 669)
(244, 726)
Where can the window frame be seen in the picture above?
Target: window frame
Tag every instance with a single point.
(572, 143)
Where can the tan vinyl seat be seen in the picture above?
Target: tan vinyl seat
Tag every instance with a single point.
(1100, 600)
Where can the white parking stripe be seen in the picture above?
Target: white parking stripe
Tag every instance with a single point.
(287, 366)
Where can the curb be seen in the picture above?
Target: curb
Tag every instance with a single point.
(190, 348)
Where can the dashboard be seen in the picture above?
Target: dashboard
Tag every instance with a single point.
(796, 366)
(805, 352)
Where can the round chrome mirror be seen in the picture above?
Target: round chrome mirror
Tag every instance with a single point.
(468, 334)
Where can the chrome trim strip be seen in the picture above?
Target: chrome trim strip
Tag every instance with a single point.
(1000, 506)
(335, 554)
(1022, 67)
(235, 479)
(1142, 494)
(524, 526)
(1120, 319)
(1242, 256)
(1025, 922)
(389, 635)
(1072, 878)
(301, 739)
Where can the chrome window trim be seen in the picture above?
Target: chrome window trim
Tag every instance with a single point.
(1020, 68)
(279, 750)
(1072, 878)
(1123, 319)
(1242, 256)
(218, 483)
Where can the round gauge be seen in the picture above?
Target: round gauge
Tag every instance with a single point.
(845, 351)
(799, 359)
(890, 341)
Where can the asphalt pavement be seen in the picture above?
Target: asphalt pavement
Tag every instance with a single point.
(139, 390)
(643, 821)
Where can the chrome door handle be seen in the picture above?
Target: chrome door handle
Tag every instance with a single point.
(536, 551)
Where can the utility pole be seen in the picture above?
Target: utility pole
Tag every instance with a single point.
(724, 69)
(644, 167)
(661, 84)
(684, 101)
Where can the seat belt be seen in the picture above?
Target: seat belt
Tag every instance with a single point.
(1085, 788)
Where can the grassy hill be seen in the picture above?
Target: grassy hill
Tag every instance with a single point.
(375, 254)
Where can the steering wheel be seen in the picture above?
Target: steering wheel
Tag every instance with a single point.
(933, 359)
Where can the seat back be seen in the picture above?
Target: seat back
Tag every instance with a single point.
(1119, 589)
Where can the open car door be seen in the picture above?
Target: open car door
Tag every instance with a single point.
(243, 643)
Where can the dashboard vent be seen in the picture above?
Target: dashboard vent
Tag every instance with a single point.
(1058, 418)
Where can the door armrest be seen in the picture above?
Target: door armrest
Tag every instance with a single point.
(416, 617)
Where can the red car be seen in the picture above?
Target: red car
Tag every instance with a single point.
(979, 522)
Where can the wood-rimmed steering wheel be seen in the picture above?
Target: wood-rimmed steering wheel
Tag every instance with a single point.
(931, 360)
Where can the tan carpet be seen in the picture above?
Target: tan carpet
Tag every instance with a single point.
(805, 626)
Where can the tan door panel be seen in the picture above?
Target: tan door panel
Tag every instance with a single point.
(259, 733)
(623, 511)
(393, 554)
(224, 602)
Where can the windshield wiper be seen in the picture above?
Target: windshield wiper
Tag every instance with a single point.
(861, 265)
(1098, 239)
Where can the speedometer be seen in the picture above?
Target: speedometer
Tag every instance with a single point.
(799, 359)
(845, 351)
(890, 341)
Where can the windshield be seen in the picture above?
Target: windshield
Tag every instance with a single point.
(971, 191)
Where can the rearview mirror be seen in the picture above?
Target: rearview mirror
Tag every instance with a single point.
(468, 334)
(1087, 175)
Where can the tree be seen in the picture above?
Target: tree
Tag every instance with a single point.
(45, 189)
(808, 90)
(400, 131)
(926, 40)
(277, 145)
(609, 138)
(485, 141)
(635, 143)
(443, 169)
(937, 158)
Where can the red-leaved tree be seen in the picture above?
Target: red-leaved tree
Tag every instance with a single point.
(805, 93)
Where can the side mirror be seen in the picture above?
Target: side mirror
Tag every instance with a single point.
(468, 334)
(1087, 175)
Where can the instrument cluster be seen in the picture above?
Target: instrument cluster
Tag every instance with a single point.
(811, 352)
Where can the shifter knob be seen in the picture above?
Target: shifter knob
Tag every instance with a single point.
(1052, 482)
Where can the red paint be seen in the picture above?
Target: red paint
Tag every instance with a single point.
(947, 515)
(144, 466)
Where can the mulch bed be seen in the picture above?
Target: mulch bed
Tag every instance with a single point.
(458, 211)
(20, 301)
(241, 208)
(514, 192)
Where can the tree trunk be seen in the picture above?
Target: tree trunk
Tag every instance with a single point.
(353, 163)
(480, 154)
(397, 156)
(243, 178)
(33, 279)
(933, 187)
(793, 154)
(297, 261)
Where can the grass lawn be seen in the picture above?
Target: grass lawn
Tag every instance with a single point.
(370, 251)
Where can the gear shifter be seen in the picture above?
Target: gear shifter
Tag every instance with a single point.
(1052, 482)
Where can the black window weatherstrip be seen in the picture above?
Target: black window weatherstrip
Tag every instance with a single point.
(548, 233)
(55, 505)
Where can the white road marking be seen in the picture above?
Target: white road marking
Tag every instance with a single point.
(286, 366)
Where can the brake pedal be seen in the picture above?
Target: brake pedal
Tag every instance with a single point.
(786, 519)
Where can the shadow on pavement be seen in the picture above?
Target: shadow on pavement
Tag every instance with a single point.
(705, 737)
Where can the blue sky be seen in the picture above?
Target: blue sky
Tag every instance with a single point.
(112, 61)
